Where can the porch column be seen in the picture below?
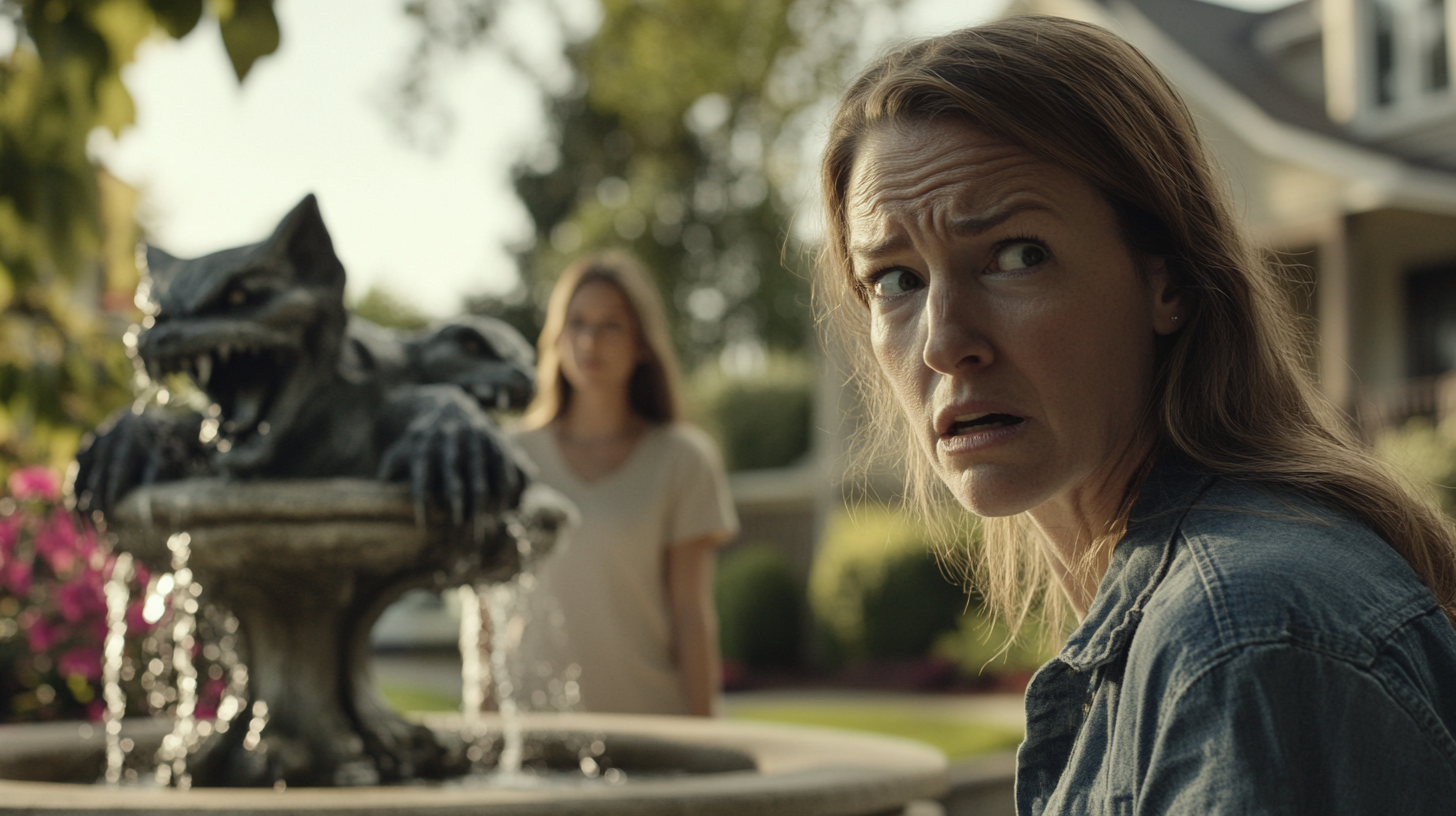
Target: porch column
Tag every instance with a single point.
(1336, 328)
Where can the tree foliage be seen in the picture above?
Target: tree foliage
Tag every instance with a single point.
(67, 235)
(681, 137)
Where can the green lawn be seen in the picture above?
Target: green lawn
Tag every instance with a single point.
(411, 698)
(956, 738)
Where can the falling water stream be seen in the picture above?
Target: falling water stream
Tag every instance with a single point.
(507, 626)
(474, 677)
(172, 756)
(118, 595)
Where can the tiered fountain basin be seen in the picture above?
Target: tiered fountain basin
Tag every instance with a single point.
(307, 567)
(674, 766)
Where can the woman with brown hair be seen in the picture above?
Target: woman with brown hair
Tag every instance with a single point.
(1048, 292)
(633, 581)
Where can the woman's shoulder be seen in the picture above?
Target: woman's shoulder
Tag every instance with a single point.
(690, 441)
(1250, 565)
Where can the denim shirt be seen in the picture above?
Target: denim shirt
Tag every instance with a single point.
(1246, 653)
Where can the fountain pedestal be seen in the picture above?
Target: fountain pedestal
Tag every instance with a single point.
(307, 567)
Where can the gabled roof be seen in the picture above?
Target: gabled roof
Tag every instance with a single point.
(1224, 39)
(1212, 53)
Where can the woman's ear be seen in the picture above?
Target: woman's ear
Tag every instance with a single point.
(1169, 310)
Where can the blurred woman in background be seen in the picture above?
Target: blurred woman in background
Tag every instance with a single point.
(633, 583)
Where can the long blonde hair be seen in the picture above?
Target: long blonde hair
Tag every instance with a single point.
(654, 390)
(1232, 392)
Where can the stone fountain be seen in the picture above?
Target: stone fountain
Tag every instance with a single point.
(333, 467)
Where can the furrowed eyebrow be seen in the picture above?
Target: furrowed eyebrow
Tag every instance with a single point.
(977, 226)
(958, 226)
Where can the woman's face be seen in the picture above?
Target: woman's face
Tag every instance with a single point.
(599, 343)
(1015, 326)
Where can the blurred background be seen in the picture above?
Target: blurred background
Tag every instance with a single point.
(464, 150)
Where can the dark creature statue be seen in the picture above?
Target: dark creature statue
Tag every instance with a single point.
(300, 391)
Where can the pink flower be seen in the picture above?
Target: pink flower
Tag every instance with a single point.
(81, 597)
(83, 660)
(58, 542)
(210, 698)
(135, 623)
(15, 576)
(35, 482)
(41, 633)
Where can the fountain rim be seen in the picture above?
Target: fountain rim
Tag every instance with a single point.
(801, 770)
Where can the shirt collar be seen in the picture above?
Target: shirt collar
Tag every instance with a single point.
(1139, 562)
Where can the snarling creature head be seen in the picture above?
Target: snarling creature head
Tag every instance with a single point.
(257, 327)
(300, 390)
(484, 356)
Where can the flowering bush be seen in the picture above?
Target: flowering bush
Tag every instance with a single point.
(53, 573)
(52, 610)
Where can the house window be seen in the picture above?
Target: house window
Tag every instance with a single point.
(1438, 66)
(1386, 80)
(1430, 300)
(1409, 51)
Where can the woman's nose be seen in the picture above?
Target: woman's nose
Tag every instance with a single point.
(955, 339)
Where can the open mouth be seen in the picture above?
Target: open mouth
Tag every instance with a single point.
(970, 423)
(243, 379)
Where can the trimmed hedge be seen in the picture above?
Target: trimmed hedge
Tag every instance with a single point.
(760, 607)
(913, 605)
(876, 588)
(760, 422)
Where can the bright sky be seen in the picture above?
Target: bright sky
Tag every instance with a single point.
(219, 164)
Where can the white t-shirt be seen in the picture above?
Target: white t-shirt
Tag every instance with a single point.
(605, 583)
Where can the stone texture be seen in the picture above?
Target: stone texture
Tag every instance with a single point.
(307, 566)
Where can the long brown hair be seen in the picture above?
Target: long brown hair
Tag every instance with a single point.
(1232, 392)
(654, 391)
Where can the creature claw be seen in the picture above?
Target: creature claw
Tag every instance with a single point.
(480, 487)
(453, 487)
(120, 465)
(419, 484)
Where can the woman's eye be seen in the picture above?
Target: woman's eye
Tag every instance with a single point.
(1020, 255)
(237, 297)
(895, 282)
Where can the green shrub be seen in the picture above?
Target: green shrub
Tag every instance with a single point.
(1426, 453)
(761, 422)
(912, 606)
(876, 589)
(760, 604)
(981, 643)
